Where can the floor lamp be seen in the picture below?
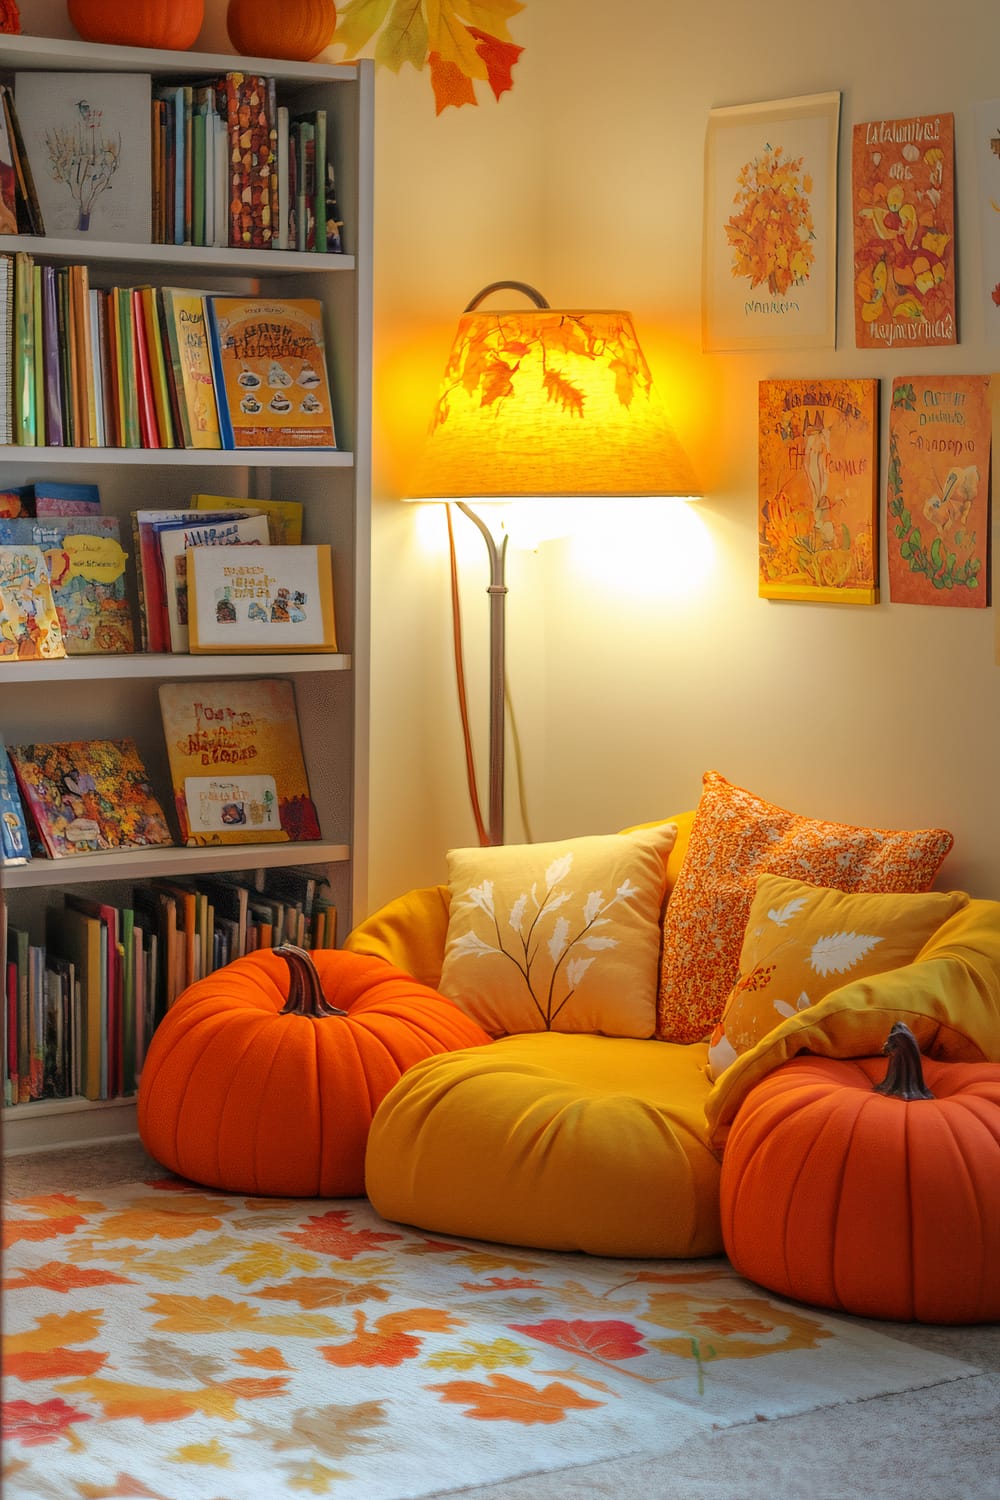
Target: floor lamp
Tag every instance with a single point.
(538, 402)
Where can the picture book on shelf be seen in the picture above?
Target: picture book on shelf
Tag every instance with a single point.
(154, 620)
(261, 599)
(178, 537)
(14, 846)
(29, 624)
(189, 366)
(29, 213)
(52, 499)
(284, 517)
(18, 500)
(87, 137)
(236, 761)
(89, 796)
(86, 566)
(269, 367)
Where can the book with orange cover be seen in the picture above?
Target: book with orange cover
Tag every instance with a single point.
(88, 796)
(269, 367)
(236, 761)
(29, 624)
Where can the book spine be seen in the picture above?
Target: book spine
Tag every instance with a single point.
(39, 347)
(197, 175)
(157, 368)
(319, 233)
(6, 349)
(175, 372)
(29, 213)
(280, 240)
(146, 401)
(24, 350)
(226, 434)
(97, 370)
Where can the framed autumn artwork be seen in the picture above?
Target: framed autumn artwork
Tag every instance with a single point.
(937, 491)
(987, 133)
(818, 490)
(770, 236)
(903, 200)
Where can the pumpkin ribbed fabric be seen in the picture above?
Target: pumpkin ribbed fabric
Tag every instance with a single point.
(237, 1096)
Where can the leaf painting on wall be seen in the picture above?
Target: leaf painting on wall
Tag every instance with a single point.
(818, 490)
(987, 131)
(769, 270)
(460, 42)
(937, 497)
(903, 181)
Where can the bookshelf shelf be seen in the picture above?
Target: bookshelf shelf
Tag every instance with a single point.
(111, 696)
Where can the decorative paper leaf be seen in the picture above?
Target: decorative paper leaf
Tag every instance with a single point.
(404, 37)
(357, 23)
(450, 84)
(503, 1399)
(499, 58)
(840, 951)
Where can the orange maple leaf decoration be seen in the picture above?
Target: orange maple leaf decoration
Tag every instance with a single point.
(501, 1398)
(31, 1423)
(391, 1340)
(54, 1276)
(328, 1234)
(602, 1339)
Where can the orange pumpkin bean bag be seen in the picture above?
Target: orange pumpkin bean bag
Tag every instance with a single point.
(264, 1076)
(869, 1197)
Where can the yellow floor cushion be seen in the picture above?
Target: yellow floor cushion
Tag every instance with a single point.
(555, 1141)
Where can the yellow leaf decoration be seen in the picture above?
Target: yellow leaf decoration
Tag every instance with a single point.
(460, 42)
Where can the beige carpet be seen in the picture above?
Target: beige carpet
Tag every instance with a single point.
(940, 1442)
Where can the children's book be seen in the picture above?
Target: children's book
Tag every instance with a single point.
(284, 517)
(87, 137)
(81, 939)
(236, 761)
(18, 500)
(261, 599)
(88, 796)
(14, 846)
(177, 536)
(52, 499)
(189, 366)
(86, 566)
(29, 214)
(269, 366)
(29, 624)
(154, 621)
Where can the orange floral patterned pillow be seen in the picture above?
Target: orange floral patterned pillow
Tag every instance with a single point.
(737, 836)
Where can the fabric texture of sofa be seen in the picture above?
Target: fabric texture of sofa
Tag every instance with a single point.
(612, 1145)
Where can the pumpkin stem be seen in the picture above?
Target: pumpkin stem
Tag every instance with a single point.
(904, 1078)
(305, 992)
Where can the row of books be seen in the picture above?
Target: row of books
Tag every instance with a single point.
(63, 585)
(236, 769)
(156, 367)
(81, 1007)
(121, 156)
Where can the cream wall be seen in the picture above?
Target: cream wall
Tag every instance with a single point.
(632, 674)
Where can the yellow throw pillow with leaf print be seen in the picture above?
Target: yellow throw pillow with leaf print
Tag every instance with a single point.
(561, 936)
(803, 941)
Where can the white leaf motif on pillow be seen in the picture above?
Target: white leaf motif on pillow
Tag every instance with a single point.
(482, 896)
(472, 945)
(576, 968)
(838, 952)
(557, 942)
(598, 944)
(558, 869)
(516, 919)
(783, 914)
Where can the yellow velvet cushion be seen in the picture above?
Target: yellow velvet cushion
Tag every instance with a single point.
(737, 836)
(560, 1142)
(949, 997)
(558, 936)
(802, 941)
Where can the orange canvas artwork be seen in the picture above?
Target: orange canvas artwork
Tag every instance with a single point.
(818, 490)
(938, 490)
(904, 232)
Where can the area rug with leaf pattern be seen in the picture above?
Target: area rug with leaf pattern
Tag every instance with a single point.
(168, 1342)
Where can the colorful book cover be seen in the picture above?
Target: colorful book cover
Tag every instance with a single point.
(190, 368)
(179, 535)
(269, 364)
(937, 490)
(261, 599)
(18, 500)
(29, 213)
(903, 187)
(54, 430)
(986, 116)
(86, 564)
(243, 99)
(14, 846)
(52, 499)
(284, 517)
(818, 490)
(87, 136)
(154, 619)
(29, 624)
(88, 796)
(236, 761)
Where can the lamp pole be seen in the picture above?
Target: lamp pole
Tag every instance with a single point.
(497, 591)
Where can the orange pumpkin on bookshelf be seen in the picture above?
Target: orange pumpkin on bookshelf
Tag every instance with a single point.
(298, 29)
(139, 23)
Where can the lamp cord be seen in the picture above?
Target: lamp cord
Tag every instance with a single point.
(463, 704)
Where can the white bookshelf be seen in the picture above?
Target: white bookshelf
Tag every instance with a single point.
(86, 697)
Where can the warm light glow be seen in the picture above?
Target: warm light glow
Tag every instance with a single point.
(541, 402)
(643, 551)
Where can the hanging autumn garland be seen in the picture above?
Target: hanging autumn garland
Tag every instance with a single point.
(462, 42)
